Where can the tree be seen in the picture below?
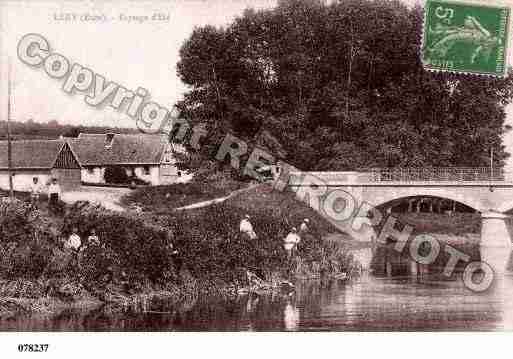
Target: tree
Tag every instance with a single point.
(336, 87)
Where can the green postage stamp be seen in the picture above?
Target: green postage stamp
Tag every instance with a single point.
(466, 37)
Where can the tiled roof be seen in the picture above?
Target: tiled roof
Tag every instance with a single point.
(30, 153)
(93, 149)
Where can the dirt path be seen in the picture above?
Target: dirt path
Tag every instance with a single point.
(216, 200)
(108, 197)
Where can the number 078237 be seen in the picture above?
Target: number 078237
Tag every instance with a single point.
(33, 348)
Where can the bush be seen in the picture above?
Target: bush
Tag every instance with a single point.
(131, 251)
(116, 174)
(129, 247)
(213, 249)
(134, 254)
(25, 240)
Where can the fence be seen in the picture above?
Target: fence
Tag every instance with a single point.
(456, 174)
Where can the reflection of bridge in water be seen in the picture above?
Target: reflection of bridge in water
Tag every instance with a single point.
(490, 193)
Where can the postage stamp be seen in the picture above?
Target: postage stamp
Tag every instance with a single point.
(466, 37)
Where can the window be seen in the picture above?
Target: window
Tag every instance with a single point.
(90, 170)
(146, 170)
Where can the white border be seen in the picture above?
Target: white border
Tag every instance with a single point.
(259, 345)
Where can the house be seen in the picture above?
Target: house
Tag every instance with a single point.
(146, 157)
(44, 159)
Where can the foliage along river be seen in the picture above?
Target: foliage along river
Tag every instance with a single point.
(386, 298)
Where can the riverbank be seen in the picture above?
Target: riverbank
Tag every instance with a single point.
(136, 255)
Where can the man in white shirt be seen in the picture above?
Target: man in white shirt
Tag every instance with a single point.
(247, 228)
(35, 192)
(291, 241)
(304, 226)
(73, 248)
(74, 242)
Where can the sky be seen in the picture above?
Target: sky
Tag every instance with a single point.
(131, 53)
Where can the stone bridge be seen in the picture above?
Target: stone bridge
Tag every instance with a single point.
(346, 197)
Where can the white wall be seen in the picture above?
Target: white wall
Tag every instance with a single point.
(96, 176)
(153, 177)
(165, 174)
(169, 175)
(22, 180)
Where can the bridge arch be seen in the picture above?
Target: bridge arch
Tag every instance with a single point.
(379, 197)
(424, 203)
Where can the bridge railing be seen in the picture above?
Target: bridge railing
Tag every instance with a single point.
(453, 174)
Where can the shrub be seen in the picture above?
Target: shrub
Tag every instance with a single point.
(116, 174)
(134, 254)
(212, 247)
(25, 240)
(130, 246)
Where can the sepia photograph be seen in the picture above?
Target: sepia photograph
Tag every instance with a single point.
(268, 166)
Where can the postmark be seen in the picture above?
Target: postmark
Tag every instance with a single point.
(466, 37)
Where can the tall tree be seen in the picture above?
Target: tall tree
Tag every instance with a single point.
(337, 87)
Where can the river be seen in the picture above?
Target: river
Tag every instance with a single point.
(390, 296)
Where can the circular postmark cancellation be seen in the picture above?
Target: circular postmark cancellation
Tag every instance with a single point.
(466, 37)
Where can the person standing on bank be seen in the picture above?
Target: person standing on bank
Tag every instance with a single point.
(303, 228)
(93, 239)
(35, 192)
(291, 241)
(72, 246)
(247, 228)
(54, 194)
(74, 242)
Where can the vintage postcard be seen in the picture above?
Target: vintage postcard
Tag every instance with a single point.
(183, 166)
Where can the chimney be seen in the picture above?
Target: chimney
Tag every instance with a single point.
(109, 137)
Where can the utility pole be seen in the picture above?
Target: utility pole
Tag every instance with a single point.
(348, 85)
(491, 169)
(353, 51)
(9, 145)
(491, 163)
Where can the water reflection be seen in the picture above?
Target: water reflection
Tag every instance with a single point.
(291, 317)
(395, 294)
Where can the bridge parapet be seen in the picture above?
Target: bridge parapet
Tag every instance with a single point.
(332, 178)
(413, 176)
(449, 174)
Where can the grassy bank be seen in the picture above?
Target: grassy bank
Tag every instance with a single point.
(160, 199)
(135, 258)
